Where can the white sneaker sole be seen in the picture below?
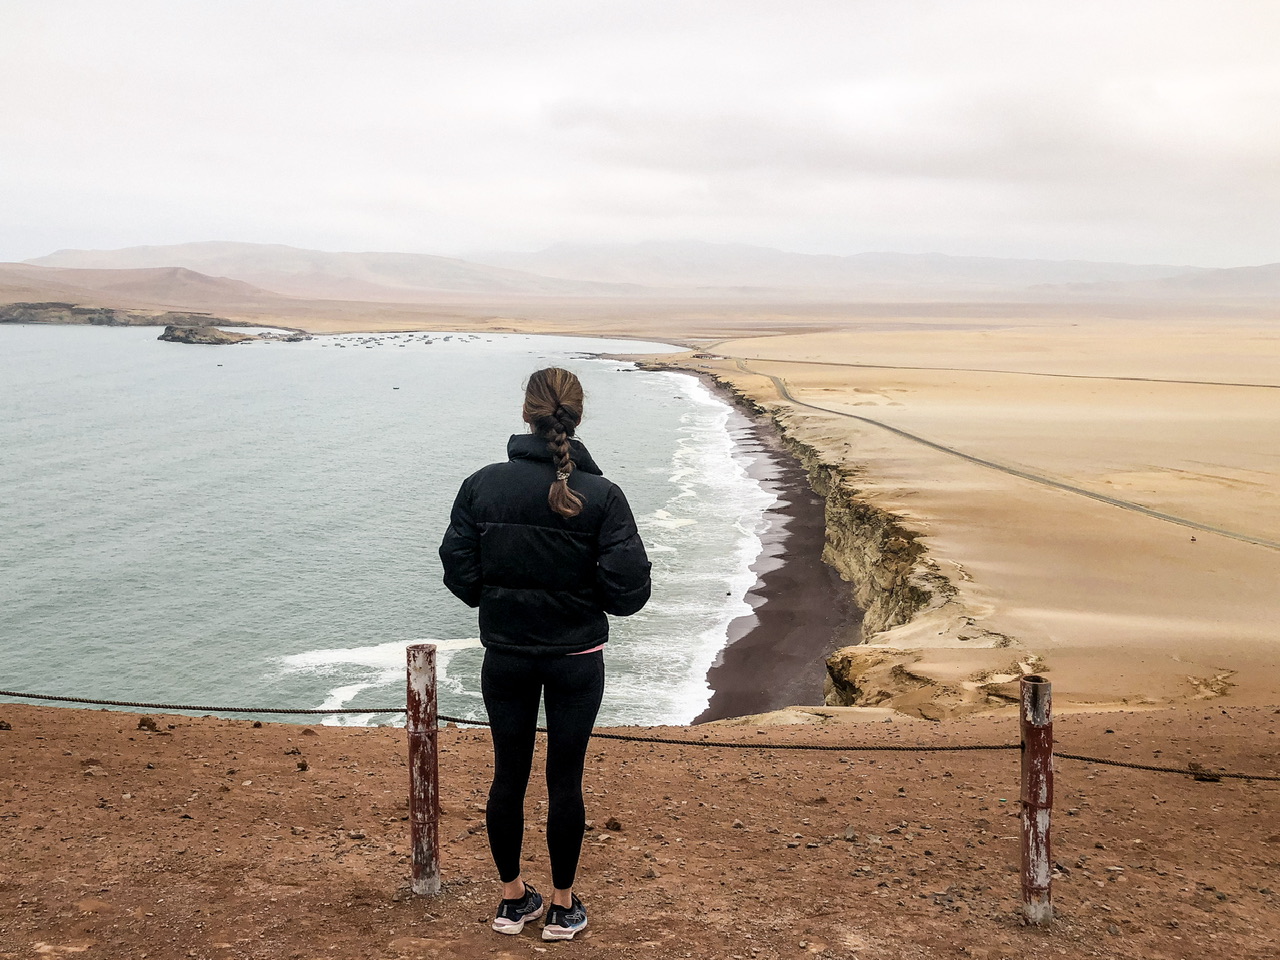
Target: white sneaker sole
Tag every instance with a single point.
(512, 927)
(561, 933)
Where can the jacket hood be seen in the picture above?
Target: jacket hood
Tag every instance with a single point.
(528, 446)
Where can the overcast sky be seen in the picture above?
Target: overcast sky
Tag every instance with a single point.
(1145, 131)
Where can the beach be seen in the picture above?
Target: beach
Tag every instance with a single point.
(801, 609)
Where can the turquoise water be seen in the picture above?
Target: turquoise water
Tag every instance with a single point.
(257, 525)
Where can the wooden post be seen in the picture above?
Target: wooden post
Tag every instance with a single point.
(1037, 798)
(424, 769)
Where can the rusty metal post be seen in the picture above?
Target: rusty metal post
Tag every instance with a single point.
(424, 769)
(1037, 798)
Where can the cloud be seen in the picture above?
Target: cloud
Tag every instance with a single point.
(1137, 131)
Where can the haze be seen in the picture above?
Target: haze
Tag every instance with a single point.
(1142, 132)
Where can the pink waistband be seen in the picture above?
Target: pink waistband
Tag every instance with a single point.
(578, 653)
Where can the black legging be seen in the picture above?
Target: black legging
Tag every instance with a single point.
(512, 685)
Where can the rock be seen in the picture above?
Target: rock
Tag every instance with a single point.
(308, 732)
(355, 834)
(739, 825)
(1202, 774)
(5, 725)
(613, 823)
(303, 766)
(147, 723)
(850, 834)
(64, 313)
(203, 334)
(298, 831)
(651, 873)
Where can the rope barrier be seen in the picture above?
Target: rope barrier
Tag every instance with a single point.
(753, 745)
(1199, 774)
(203, 709)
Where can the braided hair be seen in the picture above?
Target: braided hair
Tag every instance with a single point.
(553, 407)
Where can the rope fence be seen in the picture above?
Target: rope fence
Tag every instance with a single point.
(1195, 771)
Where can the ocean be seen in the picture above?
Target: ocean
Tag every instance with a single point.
(256, 525)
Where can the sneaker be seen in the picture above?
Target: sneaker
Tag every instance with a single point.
(512, 914)
(564, 922)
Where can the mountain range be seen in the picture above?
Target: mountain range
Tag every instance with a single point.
(222, 273)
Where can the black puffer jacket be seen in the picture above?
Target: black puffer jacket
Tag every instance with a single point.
(543, 582)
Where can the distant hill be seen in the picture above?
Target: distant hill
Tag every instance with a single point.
(161, 287)
(712, 265)
(1228, 283)
(221, 273)
(318, 274)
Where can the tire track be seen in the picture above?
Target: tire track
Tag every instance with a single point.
(786, 394)
(1021, 373)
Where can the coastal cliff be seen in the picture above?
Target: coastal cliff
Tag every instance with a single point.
(73, 313)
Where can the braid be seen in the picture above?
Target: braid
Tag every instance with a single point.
(561, 498)
(553, 407)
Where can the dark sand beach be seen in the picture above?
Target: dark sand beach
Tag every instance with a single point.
(802, 610)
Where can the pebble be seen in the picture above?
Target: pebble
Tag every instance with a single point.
(739, 825)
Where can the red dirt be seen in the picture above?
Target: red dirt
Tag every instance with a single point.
(205, 839)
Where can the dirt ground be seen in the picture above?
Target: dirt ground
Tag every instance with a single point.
(207, 838)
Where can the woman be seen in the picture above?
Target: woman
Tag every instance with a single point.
(545, 546)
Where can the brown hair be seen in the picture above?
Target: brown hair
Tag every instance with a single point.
(553, 407)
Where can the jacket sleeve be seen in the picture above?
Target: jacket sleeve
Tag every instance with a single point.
(460, 550)
(622, 571)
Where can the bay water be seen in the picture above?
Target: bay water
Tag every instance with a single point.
(257, 525)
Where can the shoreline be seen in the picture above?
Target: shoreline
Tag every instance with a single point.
(801, 610)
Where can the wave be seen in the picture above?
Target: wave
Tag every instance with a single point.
(383, 666)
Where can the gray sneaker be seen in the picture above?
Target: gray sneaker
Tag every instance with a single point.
(564, 922)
